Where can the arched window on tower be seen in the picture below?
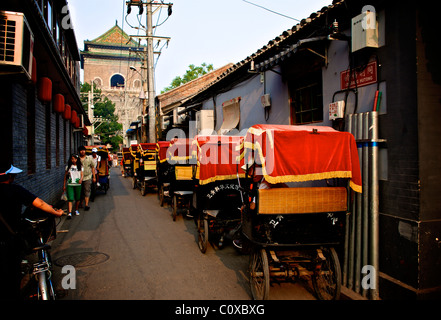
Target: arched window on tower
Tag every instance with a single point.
(97, 82)
(117, 81)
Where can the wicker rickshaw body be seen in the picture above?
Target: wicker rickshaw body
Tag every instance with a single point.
(299, 181)
(127, 161)
(145, 171)
(181, 175)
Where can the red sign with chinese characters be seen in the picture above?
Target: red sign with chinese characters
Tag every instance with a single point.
(365, 77)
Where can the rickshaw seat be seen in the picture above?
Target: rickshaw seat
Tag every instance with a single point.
(302, 200)
(183, 193)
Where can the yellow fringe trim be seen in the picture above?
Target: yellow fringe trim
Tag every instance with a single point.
(219, 178)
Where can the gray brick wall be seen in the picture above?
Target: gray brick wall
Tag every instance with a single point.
(45, 183)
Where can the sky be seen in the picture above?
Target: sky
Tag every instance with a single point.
(214, 32)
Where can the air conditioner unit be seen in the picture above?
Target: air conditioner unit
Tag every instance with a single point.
(204, 121)
(16, 44)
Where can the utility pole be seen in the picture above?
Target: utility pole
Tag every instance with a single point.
(90, 113)
(148, 72)
(150, 75)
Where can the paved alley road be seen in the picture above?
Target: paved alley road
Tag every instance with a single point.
(127, 247)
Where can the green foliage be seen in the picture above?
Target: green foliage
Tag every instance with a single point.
(192, 73)
(107, 127)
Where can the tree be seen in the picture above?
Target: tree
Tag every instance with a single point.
(109, 129)
(192, 73)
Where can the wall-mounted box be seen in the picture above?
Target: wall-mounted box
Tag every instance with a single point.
(364, 31)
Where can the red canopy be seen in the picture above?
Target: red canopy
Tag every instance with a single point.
(304, 153)
(161, 148)
(219, 157)
(179, 150)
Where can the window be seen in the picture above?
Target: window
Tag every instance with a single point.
(97, 82)
(307, 100)
(117, 81)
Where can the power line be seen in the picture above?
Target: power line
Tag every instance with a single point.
(280, 14)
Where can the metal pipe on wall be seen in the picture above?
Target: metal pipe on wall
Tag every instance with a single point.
(358, 202)
(374, 200)
(362, 238)
(365, 176)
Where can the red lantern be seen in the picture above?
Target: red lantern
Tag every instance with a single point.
(77, 123)
(34, 71)
(73, 118)
(67, 112)
(59, 103)
(45, 90)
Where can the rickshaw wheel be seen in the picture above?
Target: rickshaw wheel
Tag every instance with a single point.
(161, 196)
(175, 207)
(134, 183)
(326, 279)
(259, 275)
(202, 233)
(143, 188)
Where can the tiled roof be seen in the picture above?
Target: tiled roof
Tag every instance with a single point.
(114, 36)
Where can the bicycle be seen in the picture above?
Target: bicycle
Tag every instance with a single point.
(39, 229)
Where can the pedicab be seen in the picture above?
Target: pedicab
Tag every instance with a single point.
(181, 175)
(103, 181)
(298, 193)
(163, 171)
(218, 196)
(127, 162)
(134, 152)
(102, 167)
(145, 173)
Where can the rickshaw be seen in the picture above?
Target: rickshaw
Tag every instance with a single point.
(134, 153)
(145, 173)
(218, 196)
(163, 171)
(299, 181)
(181, 175)
(102, 167)
(127, 162)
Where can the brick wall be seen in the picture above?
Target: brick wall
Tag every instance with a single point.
(45, 183)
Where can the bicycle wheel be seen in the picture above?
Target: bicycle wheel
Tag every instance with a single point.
(175, 207)
(45, 287)
(259, 275)
(143, 188)
(326, 280)
(161, 196)
(202, 233)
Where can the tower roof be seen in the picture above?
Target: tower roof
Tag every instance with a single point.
(115, 36)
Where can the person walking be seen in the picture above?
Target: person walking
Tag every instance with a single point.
(89, 176)
(13, 197)
(95, 159)
(73, 178)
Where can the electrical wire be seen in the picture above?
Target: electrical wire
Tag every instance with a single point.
(272, 11)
